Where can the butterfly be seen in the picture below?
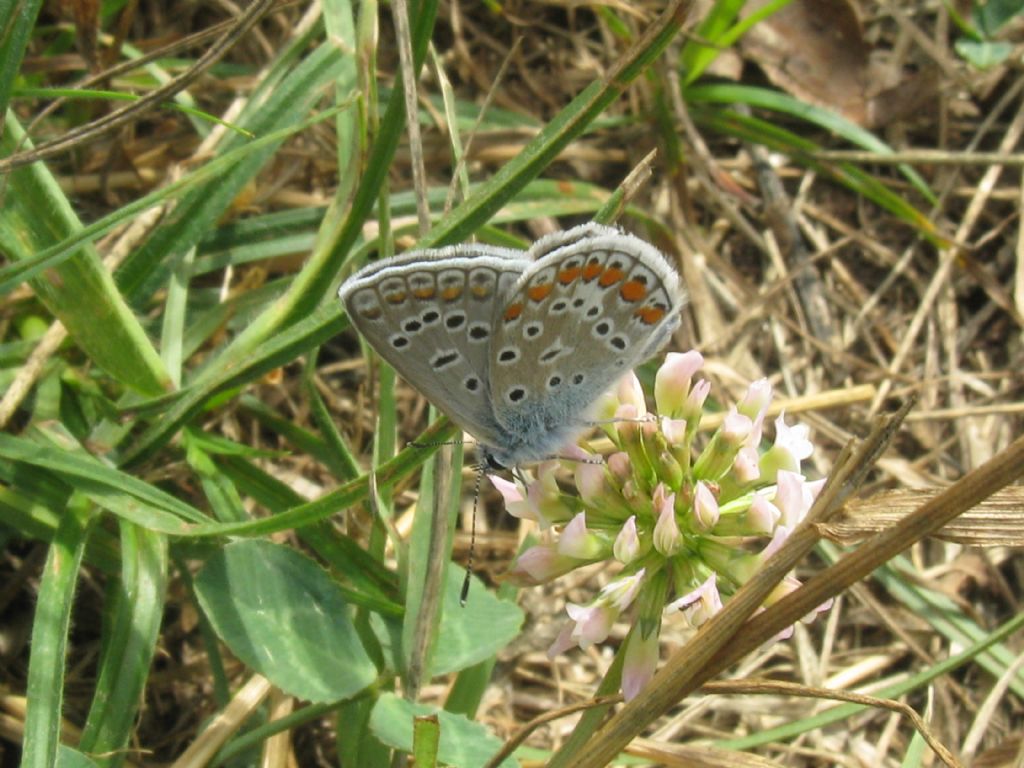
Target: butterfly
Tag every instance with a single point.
(516, 346)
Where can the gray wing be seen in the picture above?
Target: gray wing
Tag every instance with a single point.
(429, 313)
(596, 303)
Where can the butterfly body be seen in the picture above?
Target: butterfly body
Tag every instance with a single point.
(515, 346)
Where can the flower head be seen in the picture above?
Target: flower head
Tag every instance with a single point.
(686, 517)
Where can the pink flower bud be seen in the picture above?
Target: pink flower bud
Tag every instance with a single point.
(640, 662)
(668, 540)
(794, 496)
(591, 482)
(539, 564)
(745, 467)
(627, 422)
(629, 392)
(699, 605)
(621, 592)
(627, 543)
(516, 503)
(674, 430)
(672, 382)
(736, 428)
(578, 542)
(694, 405)
(620, 466)
(563, 642)
(791, 447)
(762, 516)
(705, 508)
(593, 622)
(755, 401)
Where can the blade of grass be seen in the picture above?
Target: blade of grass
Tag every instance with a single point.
(135, 608)
(765, 98)
(197, 212)
(567, 125)
(45, 689)
(17, 20)
(158, 511)
(845, 711)
(79, 292)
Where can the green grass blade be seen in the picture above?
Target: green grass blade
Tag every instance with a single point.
(17, 20)
(117, 491)
(198, 211)
(50, 637)
(80, 292)
(324, 323)
(766, 98)
(566, 126)
(130, 638)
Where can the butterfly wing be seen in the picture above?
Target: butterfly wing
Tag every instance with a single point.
(596, 303)
(429, 313)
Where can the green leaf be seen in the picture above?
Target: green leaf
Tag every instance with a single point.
(992, 15)
(72, 758)
(474, 632)
(463, 743)
(281, 614)
(983, 54)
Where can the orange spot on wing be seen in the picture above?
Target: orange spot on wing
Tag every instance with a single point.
(481, 291)
(513, 312)
(649, 315)
(539, 292)
(373, 313)
(592, 270)
(566, 276)
(424, 293)
(634, 290)
(395, 298)
(610, 277)
(451, 294)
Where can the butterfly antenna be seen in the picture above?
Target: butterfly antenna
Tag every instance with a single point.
(472, 534)
(418, 444)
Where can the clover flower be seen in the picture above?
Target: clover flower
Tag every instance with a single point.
(687, 520)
